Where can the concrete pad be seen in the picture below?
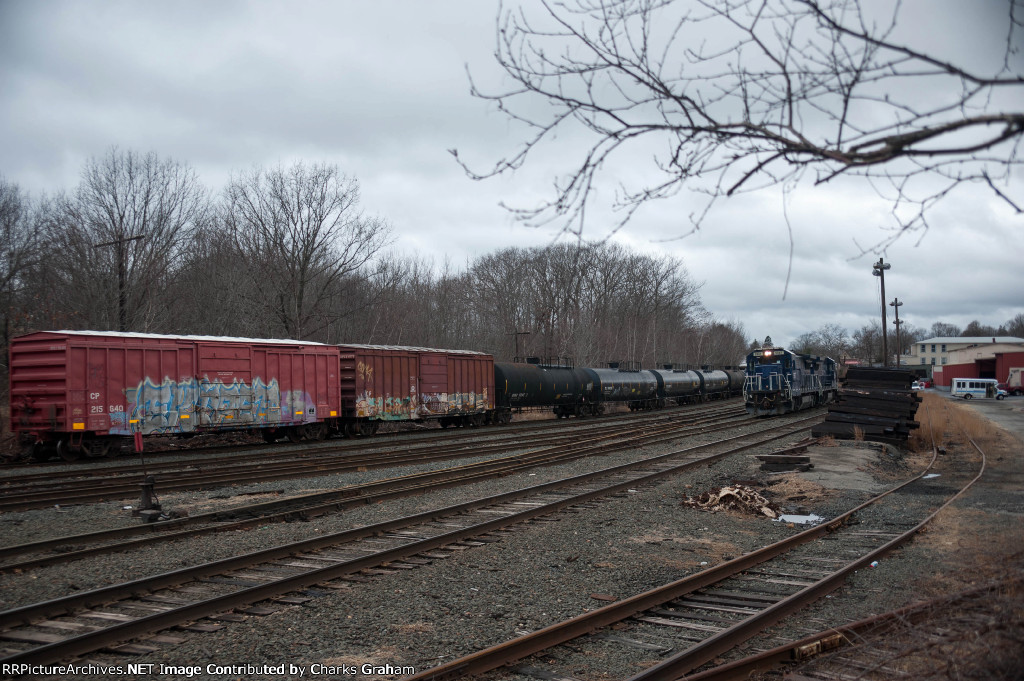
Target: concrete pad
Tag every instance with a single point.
(847, 465)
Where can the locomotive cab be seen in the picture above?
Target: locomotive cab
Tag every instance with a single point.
(779, 381)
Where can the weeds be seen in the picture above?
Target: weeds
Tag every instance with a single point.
(945, 423)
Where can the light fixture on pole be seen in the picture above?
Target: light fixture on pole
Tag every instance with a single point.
(899, 345)
(878, 269)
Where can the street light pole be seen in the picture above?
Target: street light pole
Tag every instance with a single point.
(122, 276)
(899, 345)
(878, 269)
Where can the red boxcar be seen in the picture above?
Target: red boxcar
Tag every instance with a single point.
(390, 383)
(79, 391)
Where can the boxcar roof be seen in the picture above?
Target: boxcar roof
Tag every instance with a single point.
(158, 336)
(411, 349)
(234, 339)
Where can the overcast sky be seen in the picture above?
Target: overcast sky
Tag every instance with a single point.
(381, 89)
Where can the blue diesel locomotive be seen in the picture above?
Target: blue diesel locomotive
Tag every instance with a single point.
(779, 381)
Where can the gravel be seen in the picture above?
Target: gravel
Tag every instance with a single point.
(538, 574)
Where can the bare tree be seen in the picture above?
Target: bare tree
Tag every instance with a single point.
(501, 282)
(729, 346)
(300, 233)
(808, 343)
(834, 340)
(1014, 327)
(867, 343)
(393, 302)
(737, 95)
(976, 328)
(945, 330)
(830, 340)
(211, 264)
(118, 239)
(909, 336)
(591, 303)
(19, 251)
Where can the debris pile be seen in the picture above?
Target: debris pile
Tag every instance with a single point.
(734, 498)
(873, 404)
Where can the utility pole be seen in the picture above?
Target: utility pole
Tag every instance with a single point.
(517, 334)
(122, 284)
(878, 269)
(899, 345)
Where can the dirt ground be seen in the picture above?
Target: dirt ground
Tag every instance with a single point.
(977, 541)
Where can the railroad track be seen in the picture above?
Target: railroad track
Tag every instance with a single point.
(871, 646)
(692, 621)
(41, 492)
(856, 649)
(157, 459)
(86, 622)
(56, 550)
(232, 454)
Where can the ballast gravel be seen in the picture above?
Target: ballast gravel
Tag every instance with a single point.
(539, 572)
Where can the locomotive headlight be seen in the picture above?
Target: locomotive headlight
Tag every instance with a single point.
(767, 353)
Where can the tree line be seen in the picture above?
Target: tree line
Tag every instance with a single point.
(140, 244)
(865, 343)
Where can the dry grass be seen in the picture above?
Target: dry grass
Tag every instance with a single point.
(945, 423)
(793, 487)
(706, 549)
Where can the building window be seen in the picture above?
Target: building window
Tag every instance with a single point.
(922, 348)
(933, 347)
(933, 361)
(943, 347)
(943, 360)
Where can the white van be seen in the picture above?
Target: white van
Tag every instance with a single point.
(969, 388)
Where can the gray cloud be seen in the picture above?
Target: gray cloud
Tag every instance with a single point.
(381, 89)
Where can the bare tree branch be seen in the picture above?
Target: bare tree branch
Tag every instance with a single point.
(738, 95)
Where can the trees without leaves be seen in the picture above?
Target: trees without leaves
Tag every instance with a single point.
(976, 328)
(285, 253)
(19, 252)
(944, 330)
(593, 303)
(830, 340)
(1013, 327)
(299, 231)
(115, 242)
(738, 95)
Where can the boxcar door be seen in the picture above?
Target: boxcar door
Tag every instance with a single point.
(225, 385)
(434, 389)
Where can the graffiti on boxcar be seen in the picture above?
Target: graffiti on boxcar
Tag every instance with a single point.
(386, 408)
(190, 404)
(453, 403)
(434, 403)
(365, 372)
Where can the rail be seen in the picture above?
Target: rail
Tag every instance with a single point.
(664, 604)
(302, 564)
